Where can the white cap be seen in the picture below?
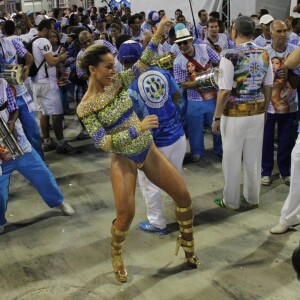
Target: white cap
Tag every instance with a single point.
(266, 19)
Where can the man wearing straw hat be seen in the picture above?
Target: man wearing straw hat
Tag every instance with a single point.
(192, 60)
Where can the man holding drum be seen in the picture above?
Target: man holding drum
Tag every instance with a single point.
(30, 164)
(10, 49)
(201, 105)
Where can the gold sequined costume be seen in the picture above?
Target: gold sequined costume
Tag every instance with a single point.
(109, 117)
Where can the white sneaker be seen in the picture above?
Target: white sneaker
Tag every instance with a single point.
(279, 228)
(66, 209)
(266, 180)
(1, 229)
(286, 180)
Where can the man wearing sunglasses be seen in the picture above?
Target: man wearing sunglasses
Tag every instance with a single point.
(200, 107)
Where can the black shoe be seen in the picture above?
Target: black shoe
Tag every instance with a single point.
(190, 158)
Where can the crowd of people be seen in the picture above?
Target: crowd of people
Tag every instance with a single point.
(109, 69)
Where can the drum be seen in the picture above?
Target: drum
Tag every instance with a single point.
(208, 80)
(12, 73)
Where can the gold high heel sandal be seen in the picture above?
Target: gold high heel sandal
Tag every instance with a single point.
(186, 228)
(118, 238)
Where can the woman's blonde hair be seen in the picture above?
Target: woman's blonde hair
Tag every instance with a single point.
(92, 56)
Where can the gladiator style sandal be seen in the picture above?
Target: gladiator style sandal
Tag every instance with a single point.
(117, 239)
(185, 239)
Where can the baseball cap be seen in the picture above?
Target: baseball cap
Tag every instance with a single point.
(266, 19)
(57, 26)
(130, 52)
(245, 25)
(153, 16)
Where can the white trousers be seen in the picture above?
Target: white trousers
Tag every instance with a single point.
(290, 213)
(151, 193)
(242, 139)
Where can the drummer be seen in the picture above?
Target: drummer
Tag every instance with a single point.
(10, 49)
(193, 60)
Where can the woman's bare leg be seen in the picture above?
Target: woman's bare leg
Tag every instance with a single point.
(123, 178)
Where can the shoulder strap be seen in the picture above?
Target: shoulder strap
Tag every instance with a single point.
(44, 61)
(211, 42)
(193, 61)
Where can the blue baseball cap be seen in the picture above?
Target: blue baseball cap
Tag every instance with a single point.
(130, 52)
(153, 16)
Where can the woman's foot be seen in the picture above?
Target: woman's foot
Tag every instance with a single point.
(117, 239)
(188, 247)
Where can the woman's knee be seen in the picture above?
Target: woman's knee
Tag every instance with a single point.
(125, 217)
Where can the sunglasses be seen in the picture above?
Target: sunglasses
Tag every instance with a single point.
(182, 43)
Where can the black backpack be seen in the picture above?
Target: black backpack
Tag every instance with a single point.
(33, 69)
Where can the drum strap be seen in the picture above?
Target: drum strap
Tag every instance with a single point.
(3, 106)
(197, 65)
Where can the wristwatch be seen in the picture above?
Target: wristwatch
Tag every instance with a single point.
(216, 119)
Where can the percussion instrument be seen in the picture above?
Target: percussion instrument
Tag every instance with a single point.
(9, 147)
(208, 80)
(12, 73)
(165, 61)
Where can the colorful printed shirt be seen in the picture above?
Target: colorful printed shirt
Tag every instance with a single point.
(109, 118)
(284, 97)
(183, 69)
(151, 94)
(244, 71)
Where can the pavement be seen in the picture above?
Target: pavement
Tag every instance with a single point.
(44, 255)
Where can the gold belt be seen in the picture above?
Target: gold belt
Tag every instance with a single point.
(243, 109)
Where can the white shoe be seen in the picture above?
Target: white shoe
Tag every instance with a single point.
(286, 180)
(66, 209)
(279, 228)
(266, 180)
(1, 229)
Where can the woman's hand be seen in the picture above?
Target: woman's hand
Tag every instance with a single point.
(149, 122)
(163, 25)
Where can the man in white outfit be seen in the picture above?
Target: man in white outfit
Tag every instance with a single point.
(245, 83)
(46, 91)
(290, 213)
(155, 92)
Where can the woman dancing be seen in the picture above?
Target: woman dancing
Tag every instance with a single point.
(107, 112)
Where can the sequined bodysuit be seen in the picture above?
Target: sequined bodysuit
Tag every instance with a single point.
(109, 117)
